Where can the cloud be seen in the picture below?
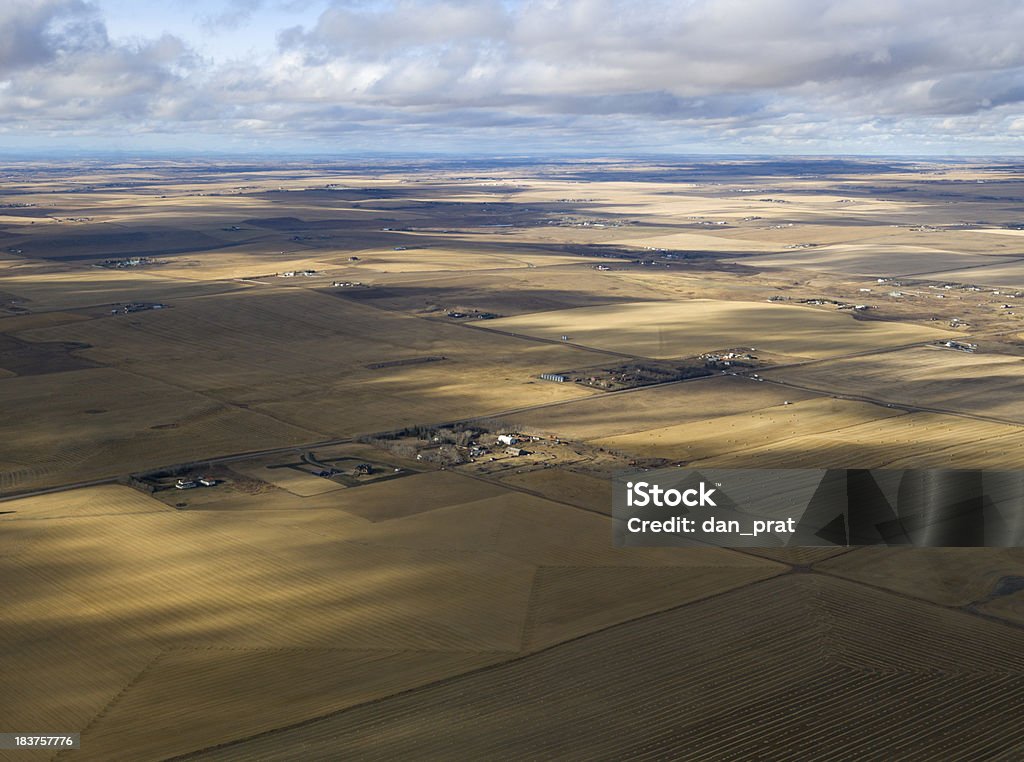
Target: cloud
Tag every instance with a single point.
(57, 64)
(235, 14)
(718, 72)
(32, 33)
(592, 47)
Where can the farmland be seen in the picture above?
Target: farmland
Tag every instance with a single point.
(765, 427)
(605, 415)
(915, 440)
(872, 259)
(286, 467)
(987, 384)
(681, 329)
(225, 604)
(470, 715)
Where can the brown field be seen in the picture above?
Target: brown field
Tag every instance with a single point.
(876, 260)
(649, 408)
(377, 607)
(503, 292)
(564, 486)
(882, 656)
(766, 427)
(428, 260)
(979, 383)
(915, 440)
(948, 576)
(683, 329)
(701, 242)
(1008, 274)
(1009, 607)
(116, 422)
(98, 288)
(474, 607)
(294, 480)
(256, 372)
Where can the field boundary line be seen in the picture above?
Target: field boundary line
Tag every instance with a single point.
(523, 656)
(909, 407)
(964, 609)
(124, 689)
(451, 678)
(526, 628)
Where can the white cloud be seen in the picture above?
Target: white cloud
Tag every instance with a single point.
(548, 72)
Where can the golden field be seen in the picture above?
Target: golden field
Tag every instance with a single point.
(352, 600)
(765, 427)
(686, 328)
(475, 607)
(983, 384)
(826, 648)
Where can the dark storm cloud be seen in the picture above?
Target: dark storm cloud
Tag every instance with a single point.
(768, 71)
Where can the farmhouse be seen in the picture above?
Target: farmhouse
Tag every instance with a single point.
(963, 346)
(138, 307)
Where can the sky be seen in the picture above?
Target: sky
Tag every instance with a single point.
(505, 77)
